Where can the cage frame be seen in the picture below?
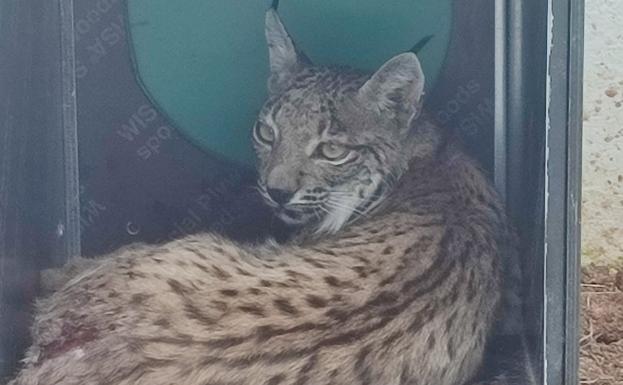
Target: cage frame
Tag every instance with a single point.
(40, 203)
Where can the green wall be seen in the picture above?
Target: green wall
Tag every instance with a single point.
(204, 62)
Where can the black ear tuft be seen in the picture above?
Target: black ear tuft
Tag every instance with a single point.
(421, 44)
(285, 60)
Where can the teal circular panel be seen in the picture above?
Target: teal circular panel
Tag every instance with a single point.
(205, 62)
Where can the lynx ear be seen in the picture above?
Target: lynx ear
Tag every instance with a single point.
(396, 88)
(285, 60)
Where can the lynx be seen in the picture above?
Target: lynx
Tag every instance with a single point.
(395, 277)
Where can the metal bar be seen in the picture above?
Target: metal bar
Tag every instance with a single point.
(555, 180)
(71, 228)
(574, 187)
(516, 127)
(562, 191)
(500, 97)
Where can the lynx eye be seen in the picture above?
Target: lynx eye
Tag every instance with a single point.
(335, 153)
(263, 133)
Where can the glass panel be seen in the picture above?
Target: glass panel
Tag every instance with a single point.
(167, 94)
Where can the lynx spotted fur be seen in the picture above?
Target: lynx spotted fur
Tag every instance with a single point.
(395, 280)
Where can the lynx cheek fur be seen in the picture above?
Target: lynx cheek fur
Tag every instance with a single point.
(396, 280)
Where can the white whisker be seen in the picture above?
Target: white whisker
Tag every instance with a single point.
(316, 214)
(344, 206)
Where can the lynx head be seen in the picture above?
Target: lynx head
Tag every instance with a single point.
(332, 142)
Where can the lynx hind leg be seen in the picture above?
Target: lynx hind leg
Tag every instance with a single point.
(53, 279)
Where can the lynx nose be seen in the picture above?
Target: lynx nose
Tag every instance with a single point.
(280, 196)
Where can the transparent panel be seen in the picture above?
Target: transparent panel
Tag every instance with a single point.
(166, 97)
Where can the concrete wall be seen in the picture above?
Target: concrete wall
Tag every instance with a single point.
(602, 203)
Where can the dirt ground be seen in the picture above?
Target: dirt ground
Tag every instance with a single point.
(601, 343)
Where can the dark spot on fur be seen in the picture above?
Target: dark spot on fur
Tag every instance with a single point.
(450, 348)
(163, 322)
(309, 365)
(315, 301)
(138, 299)
(177, 287)
(450, 322)
(337, 314)
(361, 271)
(389, 341)
(430, 341)
(383, 298)
(337, 298)
(220, 273)
(284, 306)
(252, 309)
(471, 287)
(266, 332)
(325, 251)
(363, 370)
(265, 283)
(229, 292)
(255, 291)
(388, 280)
(314, 263)
(297, 275)
(225, 342)
(220, 305)
(417, 323)
(201, 267)
(276, 380)
(474, 326)
(363, 260)
(243, 272)
(201, 256)
(361, 356)
(193, 312)
(454, 296)
(388, 250)
(332, 281)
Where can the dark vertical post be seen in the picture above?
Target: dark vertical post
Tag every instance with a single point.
(544, 104)
(526, 71)
(562, 187)
(501, 79)
(574, 190)
(70, 133)
(38, 189)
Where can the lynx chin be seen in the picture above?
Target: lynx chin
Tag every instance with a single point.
(395, 279)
